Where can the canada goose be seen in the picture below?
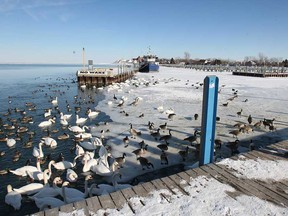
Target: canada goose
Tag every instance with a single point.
(218, 143)
(184, 153)
(141, 115)
(163, 126)
(247, 129)
(126, 141)
(120, 160)
(114, 97)
(239, 113)
(134, 132)
(258, 124)
(151, 125)
(4, 139)
(145, 162)
(196, 116)
(192, 138)
(252, 145)
(235, 133)
(269, 121)
(171, 116)
(272, 128)
(22, 129)
(156, 134)
(166, 137)
(225, 104)
(233, 146)
(239, 125)
(249, 119)
(163, 147)
(163, 158)
(139, 152)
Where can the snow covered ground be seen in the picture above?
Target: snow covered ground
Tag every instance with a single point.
(181, 90)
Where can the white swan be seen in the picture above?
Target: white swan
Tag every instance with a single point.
(89, 163)
(55, 101)
(45, 202)
(87, 156)
(80, 121)
(22, 171)
(83, 135)
(63, 122)
(119, 186)
(66, 116)
(79, 151)
(62, 165)
(38, 175)
(73, 195)
(91, 145)
(77, 129)
(46, 123)
(71, 175)
(11, 142)
(50, 142)
(100, 189)
(92, 114)
(47, 113)
(48, 191)
(13, 198)
(102, 169)
(38, 152)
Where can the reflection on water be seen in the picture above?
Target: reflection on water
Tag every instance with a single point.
(39, 84)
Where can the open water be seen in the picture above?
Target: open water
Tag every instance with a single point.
(38, 84)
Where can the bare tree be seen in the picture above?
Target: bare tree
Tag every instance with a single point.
(262, 59)
(186, 56)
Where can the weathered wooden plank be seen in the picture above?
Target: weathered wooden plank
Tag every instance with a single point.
(259, 190)
(159, 185)
(67, 208)
(266, 155)
(106, 202)
(173, 186)
(93, 204)
(82, 205)
(52, 212)
(118, 199)
(128, 193)
(191, 173)
(180, 182)
(139, 190)
(148, 186)
(184, 176)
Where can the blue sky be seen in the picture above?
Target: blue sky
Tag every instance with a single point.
(55, 31)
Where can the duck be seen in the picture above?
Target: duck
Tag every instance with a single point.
(13, 198)
(77, 129)
(145, 163)
(46, 123)
(80, 121)
(134, 132)
(11, 142)
(22, 129)
(71, 175)
(48, 141)
(63, 136)
(62, 165)
(184, 153)
(166, 137)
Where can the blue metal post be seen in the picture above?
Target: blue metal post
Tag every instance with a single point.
(209, 111)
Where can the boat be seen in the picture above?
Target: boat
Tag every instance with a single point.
(148, 63)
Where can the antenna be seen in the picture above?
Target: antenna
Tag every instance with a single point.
(83, 58)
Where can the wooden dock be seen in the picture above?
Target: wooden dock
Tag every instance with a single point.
(275, 193)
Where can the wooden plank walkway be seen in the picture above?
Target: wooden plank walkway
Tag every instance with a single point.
(273, 191)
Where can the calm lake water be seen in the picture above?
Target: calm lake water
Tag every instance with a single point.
(20, 84)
